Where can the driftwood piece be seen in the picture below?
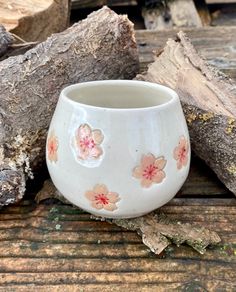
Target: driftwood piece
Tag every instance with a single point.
(156, 229)
(99, 47)
(6, 40)
(34, 20)
(171, 13)
(158, 232)
(208, 100)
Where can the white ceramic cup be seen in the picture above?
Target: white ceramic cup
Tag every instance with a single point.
(118, 148)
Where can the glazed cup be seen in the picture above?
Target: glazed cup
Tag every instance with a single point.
(118, 148)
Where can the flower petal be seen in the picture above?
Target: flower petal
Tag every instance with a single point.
(96, 205)
(90, 195)
(84, 131)
(84, 153)
(97, 136)
(176, 153)
(113, 197)
(179, 164)
(100, 189)
(182, 141)
(159, 176)
(110, 207)
(185, 160)
(95, 152)
(147, 160)
(160, 162)
(137, 172)
(54, 156)
(146, 183)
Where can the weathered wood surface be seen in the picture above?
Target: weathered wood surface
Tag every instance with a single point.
(81, 4)
(178, 13)
(53, 247)
(34, 20)
(208, 101)
(216, 44)
(6, 40)
(220, 1)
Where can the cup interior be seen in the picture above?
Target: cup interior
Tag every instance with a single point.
(120, 94)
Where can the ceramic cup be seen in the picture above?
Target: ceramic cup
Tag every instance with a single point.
(118, 148)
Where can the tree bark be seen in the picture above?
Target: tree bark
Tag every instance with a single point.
(209, 104)
(99, 47)
(34, 20)
(6, 40)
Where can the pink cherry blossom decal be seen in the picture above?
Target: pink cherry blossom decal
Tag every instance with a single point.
(52, 147)
(181, 152)
(101, 198)
(88, 142)
(150, 170)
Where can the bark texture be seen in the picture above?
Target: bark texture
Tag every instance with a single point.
(158, 232)
(6, 40)
(99, 47)
(34, 20)
(209, 104)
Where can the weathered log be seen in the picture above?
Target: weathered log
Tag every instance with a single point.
(34, 20)
(99, 47)
(6, 40)
(171, 13)
(208, 100)
(156, 229)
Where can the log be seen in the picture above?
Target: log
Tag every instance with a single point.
(173, 13)
(156, 229)
(99, 47)
(208, 100)
(6, 39)
(34, 20)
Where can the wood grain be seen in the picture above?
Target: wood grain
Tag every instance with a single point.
(83, 4)
(53, 247)
(215, 44)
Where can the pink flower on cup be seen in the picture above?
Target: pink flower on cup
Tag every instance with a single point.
(181, 152)
(52, 146)
(101, 198)
(150, 170)
(88, 142)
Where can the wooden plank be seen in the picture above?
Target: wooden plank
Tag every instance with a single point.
(83, 4)
(220, 1)
(216, 44)
(55, 247)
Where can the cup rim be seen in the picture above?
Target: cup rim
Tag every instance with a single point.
(174, 96)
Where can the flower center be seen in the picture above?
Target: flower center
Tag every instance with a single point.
(87, 142)
(52, 147)
(102, 199)
(150, 171)
(183, 153)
